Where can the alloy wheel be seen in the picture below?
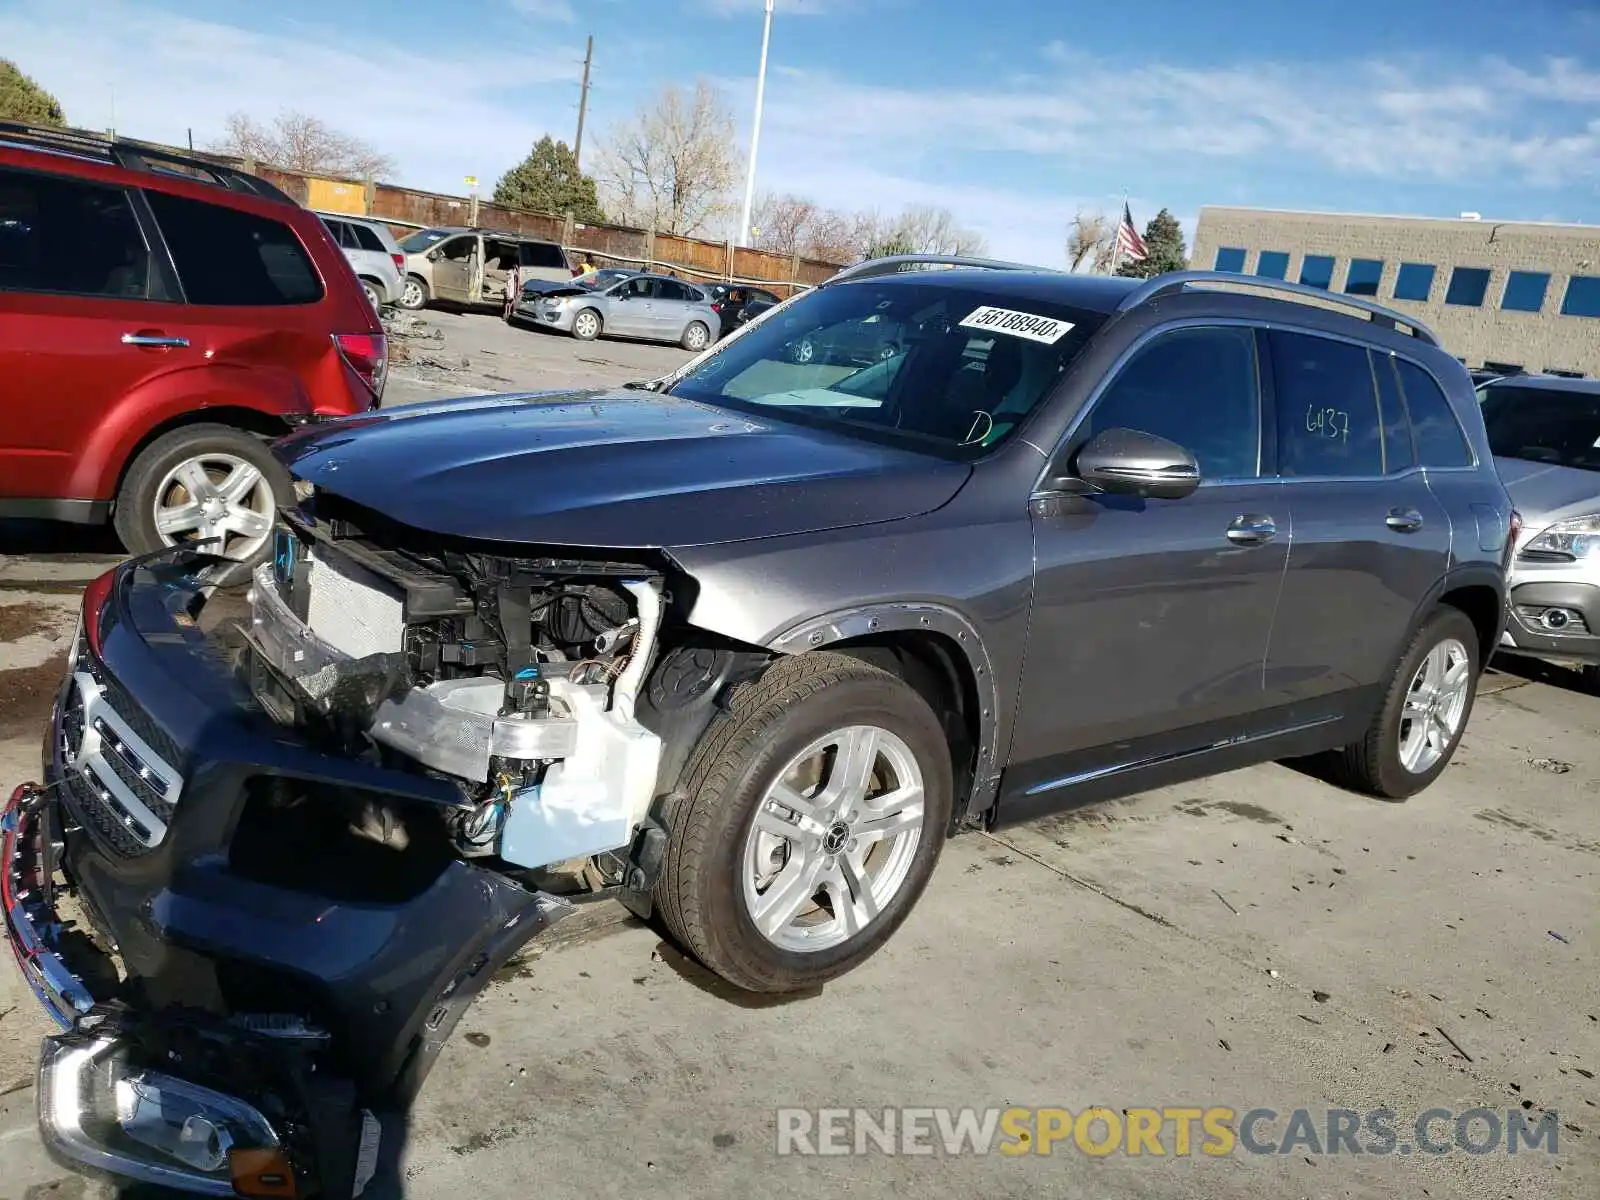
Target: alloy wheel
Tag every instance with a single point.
(215, 496)
(1434, 705)
(833, 839)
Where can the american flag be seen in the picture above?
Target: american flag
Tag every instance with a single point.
(1130, 246)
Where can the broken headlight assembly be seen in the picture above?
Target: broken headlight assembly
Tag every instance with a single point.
(97, 1108)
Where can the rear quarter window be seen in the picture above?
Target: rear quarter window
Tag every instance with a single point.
(1440, 442)
(367, 239)
(543, 254)
(236, 259)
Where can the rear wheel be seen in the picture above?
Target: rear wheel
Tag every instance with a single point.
(374, 297)
(813, 813)
(414, 294)
(696, 337)
(586, 325)
(203, 483)
(1424, 712)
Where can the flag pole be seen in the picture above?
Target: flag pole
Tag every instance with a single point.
(1116, 241)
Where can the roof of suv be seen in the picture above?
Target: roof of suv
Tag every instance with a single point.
(1092, 293)
(1546, 383)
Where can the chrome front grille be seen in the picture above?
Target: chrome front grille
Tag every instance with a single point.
(119, 766)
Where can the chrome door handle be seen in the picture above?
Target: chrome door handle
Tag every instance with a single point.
(1252, 529)
(1403, 520)
(155, 339)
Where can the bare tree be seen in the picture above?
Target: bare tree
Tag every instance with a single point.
(297, 141)
(931, 230)
(673, 165)
(782, 223)
(1090, 239)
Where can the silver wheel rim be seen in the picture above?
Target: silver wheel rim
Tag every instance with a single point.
(805, 352)
(586, 326)
(372, 295)
(833, 839)
(885, 354)
(412, 296)
(1434, 706)
(697, 336)
(215, 496)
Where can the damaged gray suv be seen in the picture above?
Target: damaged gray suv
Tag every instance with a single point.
(742, 646)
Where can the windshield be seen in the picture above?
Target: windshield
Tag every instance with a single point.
(601, 280)
(949, 369)
(423, 239)
(1543, 424)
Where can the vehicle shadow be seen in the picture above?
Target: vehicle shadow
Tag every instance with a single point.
(58, 539)
(1536, 670)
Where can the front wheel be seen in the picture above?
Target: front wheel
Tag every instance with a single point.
(696, 337)
(208, 484)
(414, 295)
(812, 816)
(1424, 711)
(586, 325)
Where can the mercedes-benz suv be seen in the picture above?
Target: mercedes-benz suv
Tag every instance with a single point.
(743, 646)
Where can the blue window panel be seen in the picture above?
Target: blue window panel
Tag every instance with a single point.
(1414, 281)
(1362, 279)
(1583, 297)
(1230, 258)
(1468, 286)
(1317, 271)
(1273, 264)
(1525, 291)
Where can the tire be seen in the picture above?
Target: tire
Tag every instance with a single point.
(165, 474)
(710, 891)
(373, 295)
(805, 351)
(586, 325)
(696, 336)
(1378, 763)
(414, 294)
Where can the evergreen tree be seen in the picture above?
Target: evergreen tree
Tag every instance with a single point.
(1164, 249)
(21, 99)
(549, 181)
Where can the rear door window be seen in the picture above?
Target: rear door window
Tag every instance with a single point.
(1398, 452)
(1327, 408)
(232, 258)
(543, 254)
(1197, 387)
(62, 235)
(1440, 442)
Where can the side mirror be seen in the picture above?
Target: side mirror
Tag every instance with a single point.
(433, 256)
(1131, 463)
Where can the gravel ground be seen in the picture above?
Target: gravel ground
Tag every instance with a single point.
(1260, 939)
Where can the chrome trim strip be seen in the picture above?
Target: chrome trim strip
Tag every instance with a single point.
(90, 759)
(1051, 785)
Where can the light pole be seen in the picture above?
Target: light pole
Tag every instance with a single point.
(755, 130)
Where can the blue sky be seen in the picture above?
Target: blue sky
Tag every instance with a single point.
(1013, 113)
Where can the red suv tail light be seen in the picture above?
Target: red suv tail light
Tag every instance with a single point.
(399, 262)
(368, 356)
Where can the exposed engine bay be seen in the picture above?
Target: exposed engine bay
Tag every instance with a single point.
(514, 678)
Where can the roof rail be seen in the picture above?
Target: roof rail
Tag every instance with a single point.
(893, 264)
(142, 156)
(1177, 281)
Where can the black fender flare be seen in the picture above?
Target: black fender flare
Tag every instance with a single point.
(863, 621)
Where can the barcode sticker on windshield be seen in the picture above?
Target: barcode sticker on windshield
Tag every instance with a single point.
(1018, 324)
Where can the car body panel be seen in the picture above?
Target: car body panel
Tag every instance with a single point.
(612, 469)
(81, 399)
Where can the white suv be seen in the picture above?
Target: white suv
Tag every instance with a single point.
(372, 252)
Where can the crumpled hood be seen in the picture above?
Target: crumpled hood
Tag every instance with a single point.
(611, 469)
(1544, 493)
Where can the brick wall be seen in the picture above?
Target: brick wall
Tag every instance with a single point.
(1536, 341)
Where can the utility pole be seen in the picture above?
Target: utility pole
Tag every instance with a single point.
(583, 106)
(755, 130)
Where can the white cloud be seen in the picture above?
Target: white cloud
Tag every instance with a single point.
(550, 10)
(440, 117)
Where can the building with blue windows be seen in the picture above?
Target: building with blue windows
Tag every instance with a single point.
(1506, 295)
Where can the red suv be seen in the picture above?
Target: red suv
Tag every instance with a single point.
(161, 317)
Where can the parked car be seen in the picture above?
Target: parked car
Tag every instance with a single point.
(161, 317)
(471, 266)
(373, 254)
(1545, 434)
(748, 642)
(736, 303)
(595, 281)
(860, 341)
(656, 308)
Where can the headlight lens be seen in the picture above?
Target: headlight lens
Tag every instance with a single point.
(1579, 537)
(100, 1110)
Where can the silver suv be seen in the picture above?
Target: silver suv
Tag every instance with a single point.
(1545, 434)
(372, 252)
